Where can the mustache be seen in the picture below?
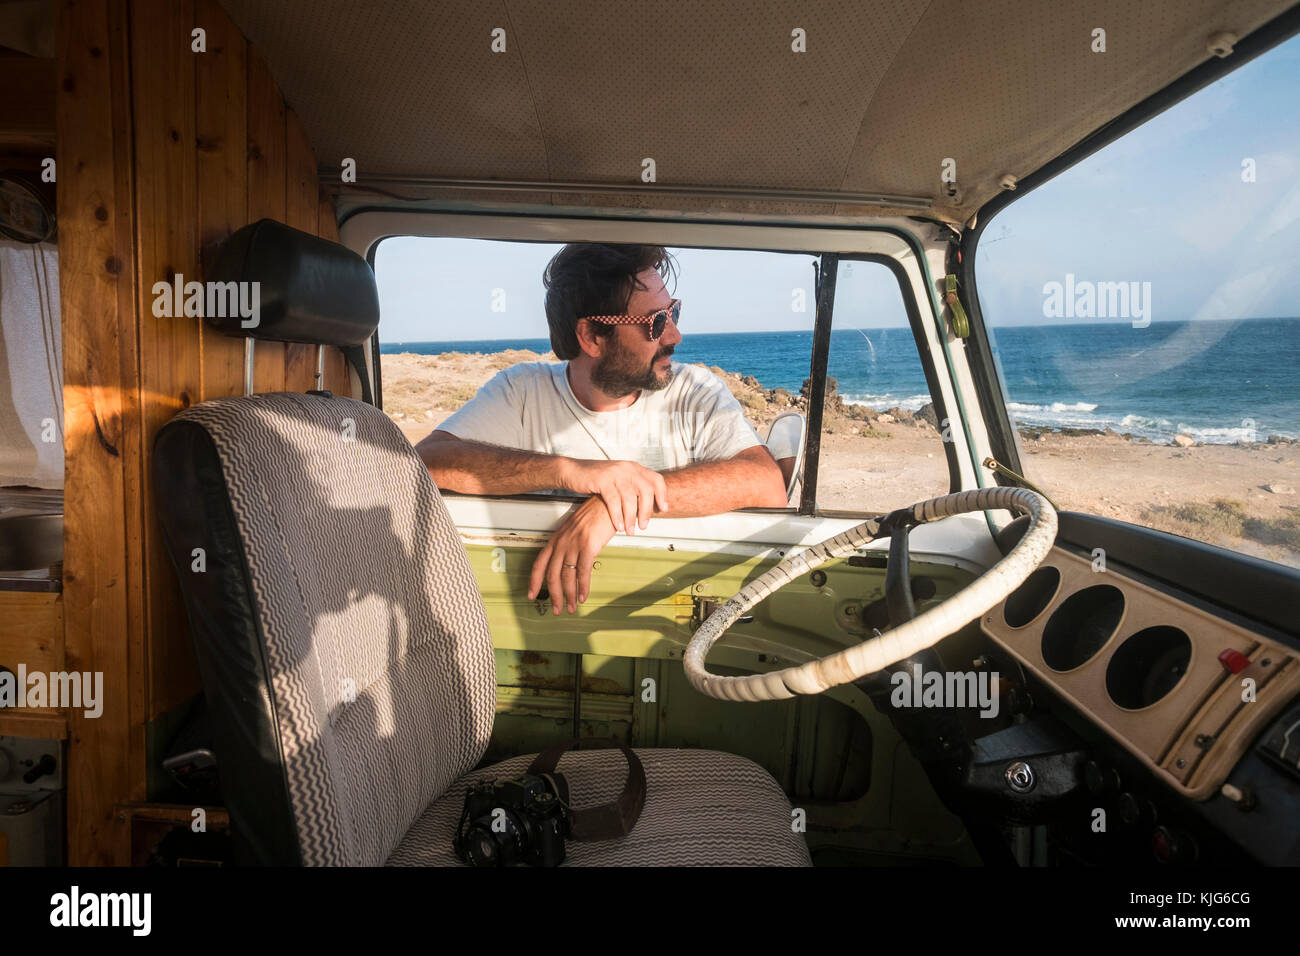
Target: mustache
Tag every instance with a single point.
(664, 353)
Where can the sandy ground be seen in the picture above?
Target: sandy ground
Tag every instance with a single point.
(1240, 496)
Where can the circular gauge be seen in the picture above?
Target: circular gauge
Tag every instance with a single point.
(1031, 598)
(1081, 626)
(25, 214)
(1148, 666)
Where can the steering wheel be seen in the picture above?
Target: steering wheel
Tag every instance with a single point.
(906, 638)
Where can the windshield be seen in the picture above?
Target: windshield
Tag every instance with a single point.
(1143, 311)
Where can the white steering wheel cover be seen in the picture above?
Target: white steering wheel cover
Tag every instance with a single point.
(895, 645)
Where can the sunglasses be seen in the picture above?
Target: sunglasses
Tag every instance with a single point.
(658, 321)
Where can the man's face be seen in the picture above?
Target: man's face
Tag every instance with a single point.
(632, 361)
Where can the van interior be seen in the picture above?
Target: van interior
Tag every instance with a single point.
(243, 626)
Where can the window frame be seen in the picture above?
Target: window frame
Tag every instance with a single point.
(914, 321)
(367, 227)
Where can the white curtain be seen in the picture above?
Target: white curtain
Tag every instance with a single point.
(31, 366)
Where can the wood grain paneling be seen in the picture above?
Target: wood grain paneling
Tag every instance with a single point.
(31, 634)
(170, 369)
(43, 724)
(221, 150)
(31, 630)
(100, 395)
(163, 152)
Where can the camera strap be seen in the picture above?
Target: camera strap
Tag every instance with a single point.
(611, 820)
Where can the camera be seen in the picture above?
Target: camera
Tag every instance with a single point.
(524, 820)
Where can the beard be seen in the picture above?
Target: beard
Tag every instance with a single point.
(620, 373)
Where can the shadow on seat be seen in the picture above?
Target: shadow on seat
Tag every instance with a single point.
(341, 638)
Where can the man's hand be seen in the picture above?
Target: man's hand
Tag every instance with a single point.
(565, 563)
(631, 492)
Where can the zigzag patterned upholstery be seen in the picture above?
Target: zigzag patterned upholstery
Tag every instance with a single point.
(703, 808)
(345, 653)
(344, 648)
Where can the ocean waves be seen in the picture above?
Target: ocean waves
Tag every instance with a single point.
(1085, 415)
(880, 403)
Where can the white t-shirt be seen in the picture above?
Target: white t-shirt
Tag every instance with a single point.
(531, 407)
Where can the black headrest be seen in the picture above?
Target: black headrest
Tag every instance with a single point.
(309, 289)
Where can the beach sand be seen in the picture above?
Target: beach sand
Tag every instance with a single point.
(1242, 496)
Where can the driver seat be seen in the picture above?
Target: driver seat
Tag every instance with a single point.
(344, 649)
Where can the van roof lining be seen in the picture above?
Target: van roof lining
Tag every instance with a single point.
(716, 96)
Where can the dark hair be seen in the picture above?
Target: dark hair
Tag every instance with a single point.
(594, 278)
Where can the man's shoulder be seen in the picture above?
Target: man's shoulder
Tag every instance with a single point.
(695, 374)
(696, 380)
(528, 375)
(525, 371)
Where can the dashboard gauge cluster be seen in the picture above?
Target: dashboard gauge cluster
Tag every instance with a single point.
(1184, 691)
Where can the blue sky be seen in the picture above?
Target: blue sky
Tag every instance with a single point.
(1165, 205)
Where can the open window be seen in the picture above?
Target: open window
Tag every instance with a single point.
(457, 311)
(881, 440)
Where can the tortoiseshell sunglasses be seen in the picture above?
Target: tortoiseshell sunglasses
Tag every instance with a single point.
(658, 321)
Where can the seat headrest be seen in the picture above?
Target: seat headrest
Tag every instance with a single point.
(309, 289)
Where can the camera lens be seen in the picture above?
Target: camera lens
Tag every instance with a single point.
(481, 849)
(485, 846)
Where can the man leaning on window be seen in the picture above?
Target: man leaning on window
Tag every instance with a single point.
(618, 420)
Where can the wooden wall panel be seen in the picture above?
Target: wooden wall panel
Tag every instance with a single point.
(100, 374)
(266, 192)
(31, 635)
(221, 145)
(170, 367)
(160, 158)
(31, 630)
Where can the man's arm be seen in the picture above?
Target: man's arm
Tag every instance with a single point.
(750, 479)
(476, 468)
(631, 492)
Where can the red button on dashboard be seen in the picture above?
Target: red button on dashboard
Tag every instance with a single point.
(1234, 661)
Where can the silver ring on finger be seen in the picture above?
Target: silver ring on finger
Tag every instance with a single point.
(574, 566)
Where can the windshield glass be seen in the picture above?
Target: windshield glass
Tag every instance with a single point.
(1143, 311)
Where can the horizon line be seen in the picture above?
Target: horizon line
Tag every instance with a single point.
(876, 328)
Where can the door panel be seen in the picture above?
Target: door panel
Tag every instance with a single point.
(834, 754)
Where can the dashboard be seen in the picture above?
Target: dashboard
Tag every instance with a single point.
(1183, 691)
(1190, 708)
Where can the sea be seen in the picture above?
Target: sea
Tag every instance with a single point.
(1217, 381)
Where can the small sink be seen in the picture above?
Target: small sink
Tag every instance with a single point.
(30, 542)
